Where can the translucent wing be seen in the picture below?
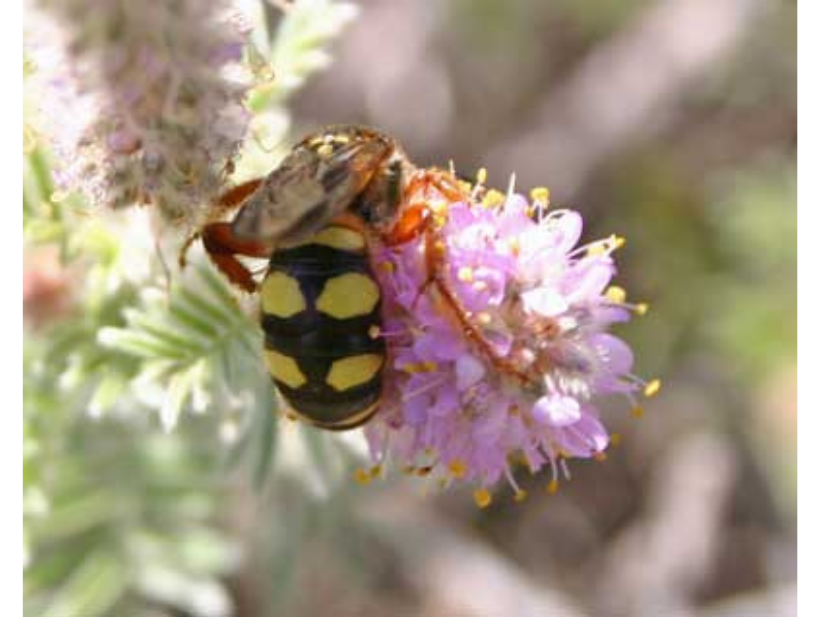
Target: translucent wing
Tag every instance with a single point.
(317, 181)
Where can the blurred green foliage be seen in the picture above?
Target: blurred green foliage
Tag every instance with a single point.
(120, 517)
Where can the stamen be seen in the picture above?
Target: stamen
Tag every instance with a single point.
(493, 199)
(553, 487)
(482, 498)
(436, 383)
(616, 439)
(600, 456)
(465, 274)
(520, 495)
(362, 476)
(376, 471)
(615, 294)
(511, 186)
(429, 366)
(541, 195)
(565, 470)
(510, 477)
(637, 412)
(641, 308)
(482, 175)
(457, 468)
(652, 387)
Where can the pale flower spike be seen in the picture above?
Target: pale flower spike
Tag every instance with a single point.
(143, 100)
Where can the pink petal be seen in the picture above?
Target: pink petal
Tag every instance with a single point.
(544, 301)
(469, 371)
(557, 411)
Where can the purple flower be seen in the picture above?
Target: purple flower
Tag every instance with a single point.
(524, 386)
(143, 101)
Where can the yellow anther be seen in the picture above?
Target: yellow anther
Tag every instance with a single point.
(541, 195)
(362, 476)
(376, 471)
(617, 242)
(641, 308)
(482, 498)
(652, 387)
(291, 416)
(637, 412)
(428, 366)
(387, 266)
(553, 487)
(520, 495)
(615, 294)
(600, 456)
(484, 318)
(616, 439)
(515, 246)
(439, 247)
(457, 468)
(465, 274)
(513, 410)
(374, 332)
(482, 175)
(325, 150)
(493, 199)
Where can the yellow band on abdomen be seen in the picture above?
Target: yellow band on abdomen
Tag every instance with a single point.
(348, 295)
(353, 371)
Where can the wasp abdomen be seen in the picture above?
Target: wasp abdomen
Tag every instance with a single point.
(321, 307)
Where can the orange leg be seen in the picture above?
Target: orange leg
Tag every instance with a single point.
(236, 196)
(223, 247)
(415, 221)
(221, 244)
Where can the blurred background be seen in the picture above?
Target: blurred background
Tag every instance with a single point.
(669, 122)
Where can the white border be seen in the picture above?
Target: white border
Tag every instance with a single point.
(810, 343)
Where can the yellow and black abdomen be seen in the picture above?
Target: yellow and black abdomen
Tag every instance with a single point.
(321, 314)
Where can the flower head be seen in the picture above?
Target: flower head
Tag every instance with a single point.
(143, 100)
(501, 354)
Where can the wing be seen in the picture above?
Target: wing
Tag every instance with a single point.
(316, 182)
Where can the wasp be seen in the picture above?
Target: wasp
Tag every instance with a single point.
(317, 218)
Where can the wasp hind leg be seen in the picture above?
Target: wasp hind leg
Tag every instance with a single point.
(222, 245)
